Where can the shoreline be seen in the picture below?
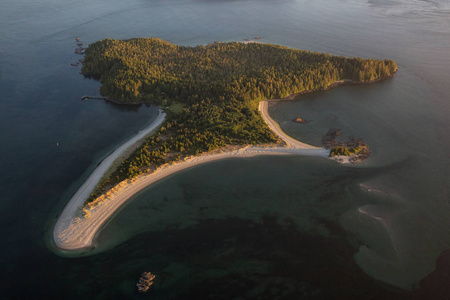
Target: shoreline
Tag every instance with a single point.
(333, 85)
(72, 209)
(289, 97)
(72, 232)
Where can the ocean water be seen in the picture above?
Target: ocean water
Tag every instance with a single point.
(255, 228)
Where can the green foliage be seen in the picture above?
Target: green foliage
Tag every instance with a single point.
(152, 70)
(177, 107)
(213, 90)
(346, 151)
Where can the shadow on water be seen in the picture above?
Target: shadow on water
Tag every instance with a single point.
(224, 259)
(125, 107)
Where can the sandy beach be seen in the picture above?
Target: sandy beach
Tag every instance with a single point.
(73, 232)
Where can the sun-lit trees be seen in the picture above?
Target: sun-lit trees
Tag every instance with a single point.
(220, 85)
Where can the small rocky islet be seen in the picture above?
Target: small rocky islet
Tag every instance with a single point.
(145, 282)
(355, 148)
(300, 120)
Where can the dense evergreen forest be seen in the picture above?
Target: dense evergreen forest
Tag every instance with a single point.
(220, 85)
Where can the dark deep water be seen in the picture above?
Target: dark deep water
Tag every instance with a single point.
(256, 228)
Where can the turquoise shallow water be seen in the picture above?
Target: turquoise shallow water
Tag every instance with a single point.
(267, 227)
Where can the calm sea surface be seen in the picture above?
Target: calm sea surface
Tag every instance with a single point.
(254, 228)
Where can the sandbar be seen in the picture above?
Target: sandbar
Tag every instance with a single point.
(73, 232)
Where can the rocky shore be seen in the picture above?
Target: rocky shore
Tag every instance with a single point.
(80, 51)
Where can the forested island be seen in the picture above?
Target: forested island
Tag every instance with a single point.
(212, 92)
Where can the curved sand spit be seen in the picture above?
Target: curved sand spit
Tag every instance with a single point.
(73, 232)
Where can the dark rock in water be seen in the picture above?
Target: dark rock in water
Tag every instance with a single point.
(300, 120)
(75, 64)
(329, 139)
(333, 132)
(145, 282)
(79, 50)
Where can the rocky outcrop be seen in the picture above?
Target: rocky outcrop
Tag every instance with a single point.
(145, 282)
(300, 120)
(355, 149)
(329, 140)
(79, 50)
